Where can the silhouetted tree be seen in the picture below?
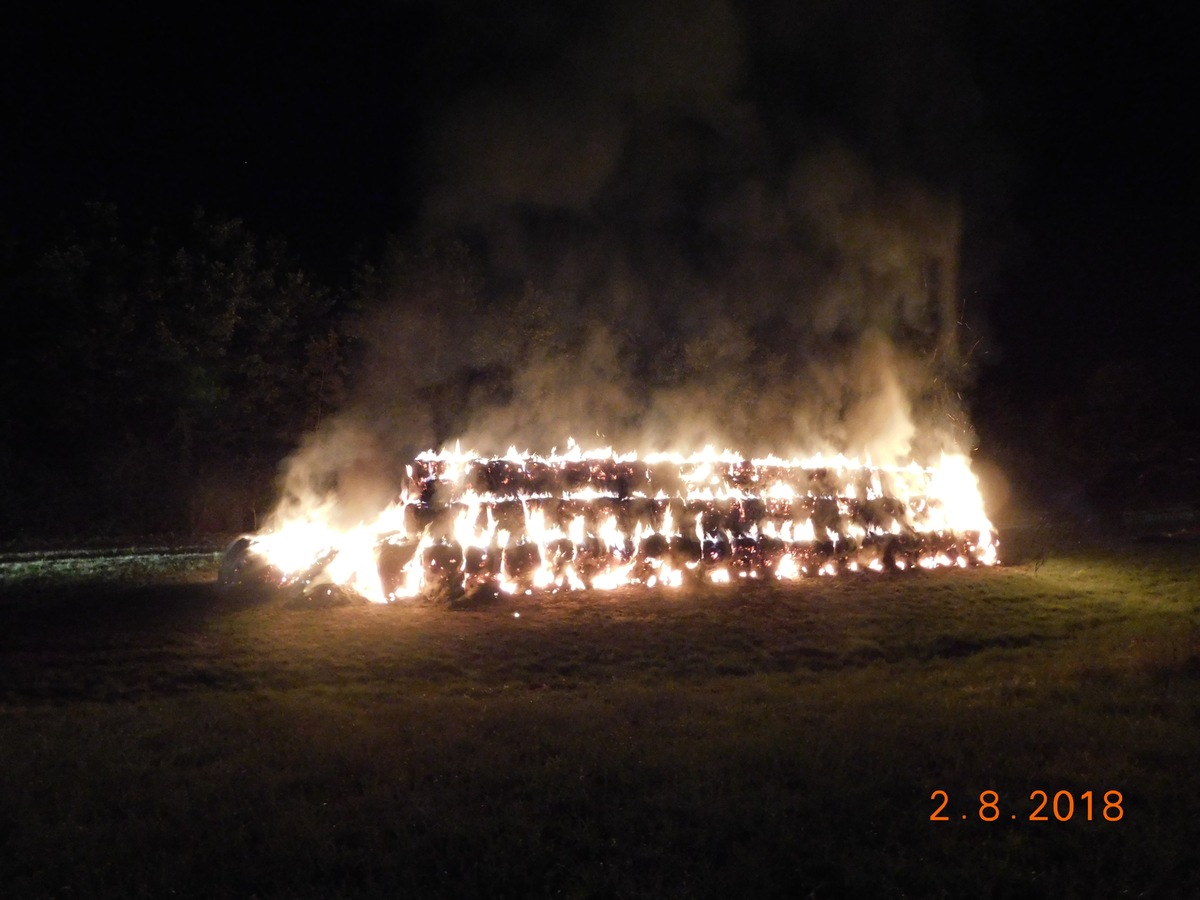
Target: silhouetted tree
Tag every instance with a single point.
(160, 377)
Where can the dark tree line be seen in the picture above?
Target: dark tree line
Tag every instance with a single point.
(153, 379)
(1098, 443)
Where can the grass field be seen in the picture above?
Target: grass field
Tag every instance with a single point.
(160, 739)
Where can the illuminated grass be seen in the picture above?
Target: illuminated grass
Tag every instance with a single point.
(764, 740)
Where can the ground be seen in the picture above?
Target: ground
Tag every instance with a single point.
(160, 738)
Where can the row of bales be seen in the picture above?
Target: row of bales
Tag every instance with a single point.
(486, 522)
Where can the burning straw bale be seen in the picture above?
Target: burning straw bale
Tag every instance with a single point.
(464, 525)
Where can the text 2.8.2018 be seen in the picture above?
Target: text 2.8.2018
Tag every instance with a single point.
(1042, 807)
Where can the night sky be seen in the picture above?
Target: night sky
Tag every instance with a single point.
(1068, 130)
(314, 127)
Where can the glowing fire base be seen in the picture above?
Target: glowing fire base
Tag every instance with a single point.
(522, 523)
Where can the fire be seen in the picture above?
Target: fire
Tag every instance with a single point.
(601, 520)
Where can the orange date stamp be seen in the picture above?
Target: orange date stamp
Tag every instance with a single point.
(1062, 807)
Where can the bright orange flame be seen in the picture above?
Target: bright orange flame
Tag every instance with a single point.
(605, 520)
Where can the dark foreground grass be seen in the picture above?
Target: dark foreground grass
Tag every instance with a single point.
(158, 739)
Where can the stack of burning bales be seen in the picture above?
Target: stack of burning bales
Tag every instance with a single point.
(524, 523)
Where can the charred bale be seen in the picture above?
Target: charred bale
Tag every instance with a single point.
(242, 568)
(521, 560)
(481, 564)
(443, 566)
(326, 595)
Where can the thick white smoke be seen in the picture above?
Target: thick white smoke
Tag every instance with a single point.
(654, 262)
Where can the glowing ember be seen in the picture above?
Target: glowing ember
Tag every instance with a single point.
(602, 520)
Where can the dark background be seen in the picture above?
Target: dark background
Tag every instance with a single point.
(247, 166)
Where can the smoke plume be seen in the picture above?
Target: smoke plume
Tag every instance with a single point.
(679, 225)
